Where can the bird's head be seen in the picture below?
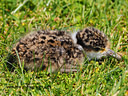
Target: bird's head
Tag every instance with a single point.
(95, 44)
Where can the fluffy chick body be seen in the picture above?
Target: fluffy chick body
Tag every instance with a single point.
(54, 50)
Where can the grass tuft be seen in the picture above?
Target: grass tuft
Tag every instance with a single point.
(19, 17)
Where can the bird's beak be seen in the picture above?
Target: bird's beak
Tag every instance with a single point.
(113, 54)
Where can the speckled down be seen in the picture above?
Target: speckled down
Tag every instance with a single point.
(43, 49)
(95, 44)
(92, 39)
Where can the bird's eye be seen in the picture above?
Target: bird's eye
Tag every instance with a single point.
(97, 49)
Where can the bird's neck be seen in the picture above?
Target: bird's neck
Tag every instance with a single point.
(73, 36)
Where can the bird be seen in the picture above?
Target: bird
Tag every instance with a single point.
(56, 50)
(95, 43)
(49, 50)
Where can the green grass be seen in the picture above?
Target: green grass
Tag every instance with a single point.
(109, 78)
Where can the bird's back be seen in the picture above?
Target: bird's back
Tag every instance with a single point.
(47, 47)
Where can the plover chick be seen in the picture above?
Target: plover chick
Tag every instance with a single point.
(51, 50)
(95, 44)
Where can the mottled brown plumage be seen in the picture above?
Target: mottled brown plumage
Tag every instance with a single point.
(95, 43)
(56, 50)
(42, 49)
(92, 39)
